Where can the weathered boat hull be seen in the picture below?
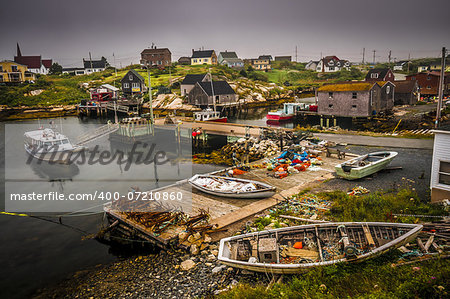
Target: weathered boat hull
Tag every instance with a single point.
(61, 157)
(412, 230)
(360, 172)
(263, 193)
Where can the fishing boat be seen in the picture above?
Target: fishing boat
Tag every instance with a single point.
(231, 187)
(364, 165)
(299, 248)
(209, 115)
(288, 112)
(49, 145)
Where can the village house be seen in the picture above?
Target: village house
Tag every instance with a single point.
(440, 167)
(202, 94)
(406, 92)
(283, 58)
(401, 65)
(133, 83)
(157, 57)
(428, 83)
(261, 64)
(35, 64)
(13, 72)
(269, 57)
(423, 68)
(230, 59)
(94, 66)
(380, 75)
(189, 82)
(203, 57)
(76, 71)
(184, 60)
(330, 64)
(312, 65)
(355, 99)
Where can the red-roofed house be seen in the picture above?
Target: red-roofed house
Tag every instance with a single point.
(35, 64)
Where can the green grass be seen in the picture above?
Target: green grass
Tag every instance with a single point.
(375, 278)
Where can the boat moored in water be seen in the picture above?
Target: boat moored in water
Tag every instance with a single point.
(209, 115)
(299, 248)
(49, 145)
(231, 187)
(364, 165)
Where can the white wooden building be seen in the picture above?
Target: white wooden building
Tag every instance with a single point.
(440, 169)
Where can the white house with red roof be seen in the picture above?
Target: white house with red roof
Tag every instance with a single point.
(330, 64)
(35, 64)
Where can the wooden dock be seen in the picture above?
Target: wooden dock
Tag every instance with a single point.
(225, 212)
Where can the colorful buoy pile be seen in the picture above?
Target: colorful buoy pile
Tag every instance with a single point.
(290, 162)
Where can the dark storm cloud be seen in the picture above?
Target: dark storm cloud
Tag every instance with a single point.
(69, 30)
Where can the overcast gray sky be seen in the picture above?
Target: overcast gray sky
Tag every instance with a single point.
(68, 30)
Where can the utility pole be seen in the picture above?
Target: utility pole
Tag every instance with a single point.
(409, 60)
(441, 88)
(374, 51)
(150, 101)
(364, 53)
(296, 54)
(389, 56)
(90, 58)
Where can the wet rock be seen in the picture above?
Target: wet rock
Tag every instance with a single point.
(194, 249)
(187, 265)
(218, 269)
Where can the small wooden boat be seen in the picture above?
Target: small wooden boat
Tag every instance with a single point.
(364, 165)
(231, 187)
(296, 249)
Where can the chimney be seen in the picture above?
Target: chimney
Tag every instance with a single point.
(192, 51)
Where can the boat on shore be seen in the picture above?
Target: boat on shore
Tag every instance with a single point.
(364, 165)
(299, 248)
(209, 115)
(287, 113)
(49, 145)
(231, 187)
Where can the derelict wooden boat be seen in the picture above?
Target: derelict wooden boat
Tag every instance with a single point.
(296, 249)
(364, 165)
(231, 187)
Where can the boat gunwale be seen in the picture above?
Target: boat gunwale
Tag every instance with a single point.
(415, 229)
(391, 155)
(267, 186)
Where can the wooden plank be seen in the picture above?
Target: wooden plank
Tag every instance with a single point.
(420, 243)
(429, 242)
(318, 243)
(368, 235)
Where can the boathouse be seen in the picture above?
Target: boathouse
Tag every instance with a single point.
(189, 82)
(406, 92)
(202, 94)
(133, 83)
(355, 99)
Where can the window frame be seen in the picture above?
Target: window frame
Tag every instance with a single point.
(442, 173)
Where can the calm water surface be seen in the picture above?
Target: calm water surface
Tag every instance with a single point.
(34, 252)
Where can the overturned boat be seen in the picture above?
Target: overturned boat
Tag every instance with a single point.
(231, 187)
(296, 249)
(364, 165)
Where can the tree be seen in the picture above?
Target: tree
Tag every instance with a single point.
(55, 69)
(243, 73)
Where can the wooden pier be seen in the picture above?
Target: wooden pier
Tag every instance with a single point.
(226, 213)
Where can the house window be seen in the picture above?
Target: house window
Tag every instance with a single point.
(195, 60)
(428, 87)
(135, 85)
(130, 77)
(126, 85)
(353, 106)
(1, 68)
(330, 95)
(444, 173)
(374, 76)
(14, 68)
(428, 78)
(217, 100)
(330, 106)
(388, 89)
(331, 68)
(354, 95)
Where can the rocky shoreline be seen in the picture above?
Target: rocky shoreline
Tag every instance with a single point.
(167, 274)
